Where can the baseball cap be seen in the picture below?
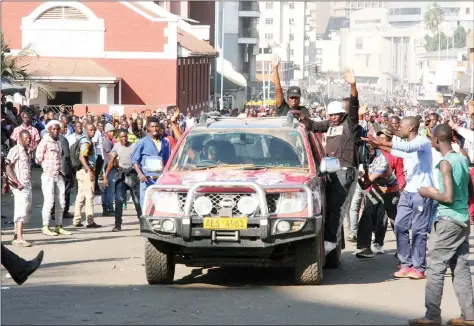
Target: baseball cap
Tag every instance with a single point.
(387, 132)
(385, 115)
(294, 91)
(109, 127)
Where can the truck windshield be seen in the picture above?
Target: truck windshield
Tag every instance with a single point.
(256, 148)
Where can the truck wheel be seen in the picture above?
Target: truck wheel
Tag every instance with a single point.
(309, 261)
(159, 265)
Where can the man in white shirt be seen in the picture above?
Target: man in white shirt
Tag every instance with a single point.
(190, 121)
(97, 141)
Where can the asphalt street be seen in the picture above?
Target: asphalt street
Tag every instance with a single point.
(97, 277)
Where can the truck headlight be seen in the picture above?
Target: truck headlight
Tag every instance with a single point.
(203, 206)
(247, 204)
(166, 202)
(291, 202)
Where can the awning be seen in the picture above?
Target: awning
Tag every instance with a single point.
(194, 45)
(10, 88)
(67, 70)
(232, 79)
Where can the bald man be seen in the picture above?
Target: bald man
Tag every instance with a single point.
(413, 210)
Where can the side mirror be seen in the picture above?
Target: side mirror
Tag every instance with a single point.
(329, 165)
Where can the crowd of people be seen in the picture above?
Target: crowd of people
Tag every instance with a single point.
(77, 152)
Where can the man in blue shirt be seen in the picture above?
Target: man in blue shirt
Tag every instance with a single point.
(413, 210)
(153, 146)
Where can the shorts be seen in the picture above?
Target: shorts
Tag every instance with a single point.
(22, 200)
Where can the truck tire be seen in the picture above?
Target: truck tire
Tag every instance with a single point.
(309, 258)
(159, 265)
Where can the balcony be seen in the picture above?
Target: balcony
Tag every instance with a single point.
(248, 36)
(249, 9)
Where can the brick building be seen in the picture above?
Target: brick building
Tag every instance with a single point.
(115, 53)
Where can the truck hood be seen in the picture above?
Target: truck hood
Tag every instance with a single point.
(261, 177)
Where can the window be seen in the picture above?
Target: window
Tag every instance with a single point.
(269, 36)
(372, 21)
(359, 43)
(291, 37)
(468, 10)
(62, 13)
(291, 5)
(268, 5)
(291, 21)
(404, 11)
(268, 21)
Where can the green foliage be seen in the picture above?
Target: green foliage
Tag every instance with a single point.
(433, 17)
(431, 42)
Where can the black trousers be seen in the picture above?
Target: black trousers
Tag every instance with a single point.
(377, 207)
(14, 264)
(69, 184)
(99, 163)
(340, 188)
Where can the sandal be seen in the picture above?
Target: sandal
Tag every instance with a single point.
(21, 243)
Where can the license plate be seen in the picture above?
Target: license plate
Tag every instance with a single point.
(225, 223)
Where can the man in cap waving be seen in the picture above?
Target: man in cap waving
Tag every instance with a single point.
(293, 94)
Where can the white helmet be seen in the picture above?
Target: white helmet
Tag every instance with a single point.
(336, 107)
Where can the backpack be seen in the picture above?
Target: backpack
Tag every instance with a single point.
(75, 152)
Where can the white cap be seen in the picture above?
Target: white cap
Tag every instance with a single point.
(52, 123)
(336, 107)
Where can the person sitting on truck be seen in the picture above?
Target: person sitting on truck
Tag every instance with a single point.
(293, 94)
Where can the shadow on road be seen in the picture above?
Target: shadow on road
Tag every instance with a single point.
(165, 305)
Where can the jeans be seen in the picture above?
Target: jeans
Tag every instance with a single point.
(143, 187)
(413, 212)
(339, 194)
(375, 206)
(355, 208)
(448, 244)
(434, 215)
(121, 188)
(85, 193)
(53, 193)
(108, 194)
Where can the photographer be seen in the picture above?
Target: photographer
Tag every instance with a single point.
(127, 177)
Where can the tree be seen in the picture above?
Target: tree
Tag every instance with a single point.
(431, 42)
(433, 17)
(460, 35)
(14, 67)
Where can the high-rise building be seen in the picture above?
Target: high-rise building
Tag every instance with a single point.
(345, 8)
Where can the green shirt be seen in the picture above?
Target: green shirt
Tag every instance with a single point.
(458, 209)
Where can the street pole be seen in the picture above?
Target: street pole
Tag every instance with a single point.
(222, 58)
(439, 45)
(263, 80)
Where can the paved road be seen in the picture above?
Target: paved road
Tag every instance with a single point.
(97, 277)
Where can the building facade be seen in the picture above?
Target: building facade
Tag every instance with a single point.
(102, 53)
(346, 8)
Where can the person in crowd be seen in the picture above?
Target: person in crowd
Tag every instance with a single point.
(48, 154)
(343, 137)
(138, 129)
(78, 133)
(66, 128)
(109, 178)
(48, 116)
(395, 123)
(19, 172)
(449, 243)
(97, 141)
(190, 121)
(63, 112)
(85, 179)
(26, 125)
(67, 172)
(414, 211)
(467, 134)
(293, 94)
(127, 178)
(382, 198)
(151, 148)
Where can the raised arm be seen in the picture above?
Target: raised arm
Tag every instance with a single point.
(174, 124)
(353, 113)
(276, 81)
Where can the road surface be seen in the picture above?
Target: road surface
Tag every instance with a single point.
(97, 277)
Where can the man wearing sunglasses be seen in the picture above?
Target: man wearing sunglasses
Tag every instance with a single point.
(293, 94)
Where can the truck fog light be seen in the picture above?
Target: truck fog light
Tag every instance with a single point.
(156, 224)
(297, 225)
(283, 226)
(168, 225)
(203, 206)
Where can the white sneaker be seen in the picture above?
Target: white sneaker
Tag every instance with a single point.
(378, 249)
(329, 246)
